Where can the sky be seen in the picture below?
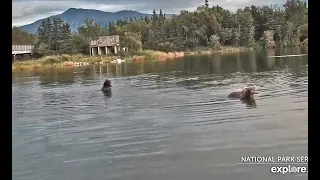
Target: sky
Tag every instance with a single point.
(28, 11)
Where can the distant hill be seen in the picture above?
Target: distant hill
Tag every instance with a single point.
(75, 17)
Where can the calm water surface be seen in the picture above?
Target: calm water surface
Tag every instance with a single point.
(164, 120)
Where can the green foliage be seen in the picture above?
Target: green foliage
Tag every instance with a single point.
(245, 21)
(132, 40)
(292, 35)
(20, 37)
(50, 61)
(53, 38)
(42, 49)
(90, 30)
(206, 3)
(80, 44)
(267, 39)
(207, 27)
(214, 42)
(148, 55)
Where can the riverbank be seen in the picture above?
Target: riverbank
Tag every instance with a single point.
(82, 60)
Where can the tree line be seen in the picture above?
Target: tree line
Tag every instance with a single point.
(206, 27)
(20, 37)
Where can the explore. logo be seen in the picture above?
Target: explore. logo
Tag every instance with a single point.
(289, 169)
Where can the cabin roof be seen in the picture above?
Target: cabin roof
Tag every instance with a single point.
(106, 41)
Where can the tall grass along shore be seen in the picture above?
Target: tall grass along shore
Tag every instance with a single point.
(79, 59)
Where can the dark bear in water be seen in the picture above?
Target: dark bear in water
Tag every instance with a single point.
(250, 102)
(106, 88)
(246, 96)
(247, 93)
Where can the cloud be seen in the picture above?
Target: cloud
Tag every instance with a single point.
(28, 11)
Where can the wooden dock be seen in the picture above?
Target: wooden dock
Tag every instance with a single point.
(21, 50)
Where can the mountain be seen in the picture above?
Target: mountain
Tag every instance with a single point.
(75, 17)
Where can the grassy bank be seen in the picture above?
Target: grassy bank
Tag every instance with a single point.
(79, 60)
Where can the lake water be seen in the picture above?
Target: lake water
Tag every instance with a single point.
(165, 120)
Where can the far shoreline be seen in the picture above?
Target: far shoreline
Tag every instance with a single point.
(65, 61)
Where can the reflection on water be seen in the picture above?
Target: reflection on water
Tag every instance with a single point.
(217, 63)
(250, 102)
(165, 120)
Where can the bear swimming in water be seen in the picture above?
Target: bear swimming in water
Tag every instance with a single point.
(245, 94)
(106, 88)
(250, 102)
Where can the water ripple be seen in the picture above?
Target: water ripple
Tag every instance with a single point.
(160, 125)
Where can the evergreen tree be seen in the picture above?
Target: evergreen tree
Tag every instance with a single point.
(206, 3)
(210, 27)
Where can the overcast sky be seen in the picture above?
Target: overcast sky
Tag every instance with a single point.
(28, 11)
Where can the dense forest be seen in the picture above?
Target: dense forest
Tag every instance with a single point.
(206, 27)
(21, 37)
